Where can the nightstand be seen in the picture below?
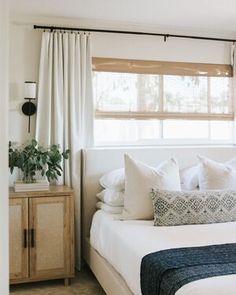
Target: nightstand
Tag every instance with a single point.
(41, 235)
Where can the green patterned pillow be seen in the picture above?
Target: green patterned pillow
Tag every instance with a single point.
(193, 207)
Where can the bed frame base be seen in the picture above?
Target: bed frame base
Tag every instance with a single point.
(110, 280)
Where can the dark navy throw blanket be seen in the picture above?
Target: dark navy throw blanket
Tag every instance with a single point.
(164, 272)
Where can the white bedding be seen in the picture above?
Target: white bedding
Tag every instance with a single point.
(124, 243)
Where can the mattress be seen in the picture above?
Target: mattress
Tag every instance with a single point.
(124, 243)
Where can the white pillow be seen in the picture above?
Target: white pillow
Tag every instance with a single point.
(140, 180)
(189, 178)
(109, 209)
(231, 163)
(114, 179)
(213, 175)
(111, 197)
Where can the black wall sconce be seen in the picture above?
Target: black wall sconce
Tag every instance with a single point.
(29, 108)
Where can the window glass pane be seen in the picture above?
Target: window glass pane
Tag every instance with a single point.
(148, 92)
(130, 92)
(185, 94)
(126, 92)
(185, 129)
(220, 95)
(117, 131)
(221, 130)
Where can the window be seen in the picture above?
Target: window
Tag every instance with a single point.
(150, 102)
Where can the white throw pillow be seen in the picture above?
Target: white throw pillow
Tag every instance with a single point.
(189, 178)
(213, 175)
(109, 209)
(231, 163)
(114, 179)
(140, 180)
(111, 197)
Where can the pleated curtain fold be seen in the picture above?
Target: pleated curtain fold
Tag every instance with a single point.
(65, 104)
(233, 64)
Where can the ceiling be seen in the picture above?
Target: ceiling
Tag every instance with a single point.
(204, 15)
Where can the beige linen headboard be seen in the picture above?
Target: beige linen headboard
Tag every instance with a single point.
(98, 161)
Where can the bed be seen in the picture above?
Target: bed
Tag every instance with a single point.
(121, 276)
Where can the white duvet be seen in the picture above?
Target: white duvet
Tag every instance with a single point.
(124, 243)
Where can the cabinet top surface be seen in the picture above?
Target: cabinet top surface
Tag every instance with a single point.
(54, 190)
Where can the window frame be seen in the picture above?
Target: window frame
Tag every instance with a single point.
(165, 68)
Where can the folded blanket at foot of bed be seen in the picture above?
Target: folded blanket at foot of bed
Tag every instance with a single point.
(166, 271)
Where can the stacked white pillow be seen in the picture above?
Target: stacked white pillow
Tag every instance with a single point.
(114, 179)
(111, 199)
(108, 208)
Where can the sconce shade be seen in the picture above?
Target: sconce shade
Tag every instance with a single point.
(30, 90)
(29, 108)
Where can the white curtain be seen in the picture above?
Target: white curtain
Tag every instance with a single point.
(65, 104)
(233, 63)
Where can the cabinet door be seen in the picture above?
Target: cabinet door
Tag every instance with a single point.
(50, 232)
(18, 240)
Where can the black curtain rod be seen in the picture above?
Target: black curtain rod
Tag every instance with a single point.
(52, 28)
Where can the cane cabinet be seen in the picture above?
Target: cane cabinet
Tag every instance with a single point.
(41, 235)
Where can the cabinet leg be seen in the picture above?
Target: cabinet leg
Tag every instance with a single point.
(66, 282)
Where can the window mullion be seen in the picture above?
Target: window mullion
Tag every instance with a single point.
(209, 130)
(162, 116)
(208, 95)
(209, 104)
(161, 103)
(231, 101)
(161, 93)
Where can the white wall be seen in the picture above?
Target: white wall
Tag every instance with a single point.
(3, 143)
(24, 60)
(25, 52)
(154, 48)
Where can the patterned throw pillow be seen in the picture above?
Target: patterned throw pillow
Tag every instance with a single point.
(195, 207)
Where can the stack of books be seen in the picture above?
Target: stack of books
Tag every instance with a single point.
(39, 185)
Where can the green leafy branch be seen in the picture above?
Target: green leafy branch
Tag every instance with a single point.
(32, 158)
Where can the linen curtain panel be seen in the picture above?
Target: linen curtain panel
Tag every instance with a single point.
(65, 104)
(233, 63)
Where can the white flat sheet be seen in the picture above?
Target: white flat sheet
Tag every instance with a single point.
(124, 243)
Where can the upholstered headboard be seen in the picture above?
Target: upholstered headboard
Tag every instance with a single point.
(100, 160)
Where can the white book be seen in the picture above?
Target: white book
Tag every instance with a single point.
(40, 185)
